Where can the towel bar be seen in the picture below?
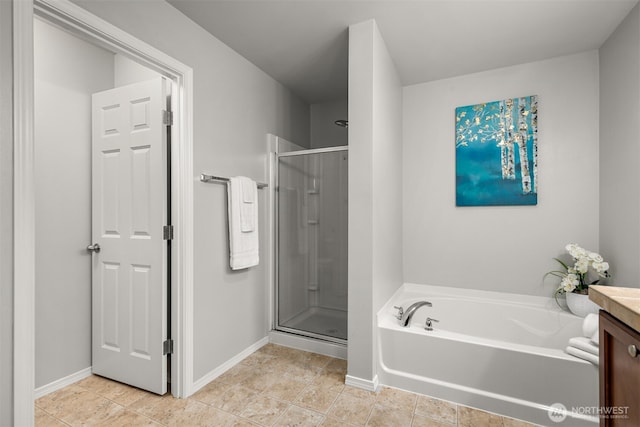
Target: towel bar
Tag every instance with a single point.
(212, 178)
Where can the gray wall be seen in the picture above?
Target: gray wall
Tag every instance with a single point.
(235, 106)
(127, 71)
(6, 215)
(620, 151)
(502, 248)
(375, 190)
(67, 71)
(387, 175)
(324, 131)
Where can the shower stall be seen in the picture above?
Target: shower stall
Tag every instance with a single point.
(311, 243)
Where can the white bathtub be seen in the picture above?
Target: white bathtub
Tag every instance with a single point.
(499, 352)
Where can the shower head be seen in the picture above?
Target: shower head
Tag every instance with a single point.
(342, 123)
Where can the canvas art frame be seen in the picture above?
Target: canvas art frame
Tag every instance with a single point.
(497, 153)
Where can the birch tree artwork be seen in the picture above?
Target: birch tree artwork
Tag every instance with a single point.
(497, 153)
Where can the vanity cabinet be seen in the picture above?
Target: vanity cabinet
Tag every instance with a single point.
(619, 373)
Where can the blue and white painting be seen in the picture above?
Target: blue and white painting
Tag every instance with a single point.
(497, 153)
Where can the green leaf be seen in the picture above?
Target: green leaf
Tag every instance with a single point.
(556, 273)
(566, 267)
(555, 296)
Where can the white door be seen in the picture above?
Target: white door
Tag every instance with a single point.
(129, 203)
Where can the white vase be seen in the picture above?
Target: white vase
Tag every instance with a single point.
(581, 305)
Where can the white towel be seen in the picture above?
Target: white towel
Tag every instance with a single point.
(243, 223)
(584, 344)
(596, 338)
(583, 355)
(249, 190)
(590, 325)
(248, 205)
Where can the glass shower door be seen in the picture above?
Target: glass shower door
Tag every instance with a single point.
(312, 243)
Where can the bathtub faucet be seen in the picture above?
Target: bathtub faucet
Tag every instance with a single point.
(407, 315)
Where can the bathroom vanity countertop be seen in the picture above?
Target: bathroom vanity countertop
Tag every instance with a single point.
(623, 303)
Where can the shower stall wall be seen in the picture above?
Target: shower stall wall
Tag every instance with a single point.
(311, 243)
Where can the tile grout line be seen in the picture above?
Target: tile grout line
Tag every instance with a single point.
(53, 416)
(304, 365)
(415, 408)
(372, 407)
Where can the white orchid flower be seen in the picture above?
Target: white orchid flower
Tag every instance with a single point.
(595, 257)
(582, 265)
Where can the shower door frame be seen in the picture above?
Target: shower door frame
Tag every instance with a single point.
(276, 241)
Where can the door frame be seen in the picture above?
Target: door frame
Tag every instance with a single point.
(89, 27)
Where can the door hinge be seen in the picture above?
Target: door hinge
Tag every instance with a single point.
(167, 347)
(167, 117)
(167, 232)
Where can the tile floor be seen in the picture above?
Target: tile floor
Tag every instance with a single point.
(275, 386)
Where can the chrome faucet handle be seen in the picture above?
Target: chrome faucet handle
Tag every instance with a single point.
(400, 312)
(428, 325)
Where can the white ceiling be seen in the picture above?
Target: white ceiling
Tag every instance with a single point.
(304, 43)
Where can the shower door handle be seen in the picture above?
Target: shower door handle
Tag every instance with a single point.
(94, 248)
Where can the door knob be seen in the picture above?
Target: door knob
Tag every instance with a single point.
(633, 350)
(94, 248)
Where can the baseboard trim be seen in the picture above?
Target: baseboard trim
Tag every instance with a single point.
(212, 375)
(369, 385)
(62, 383)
